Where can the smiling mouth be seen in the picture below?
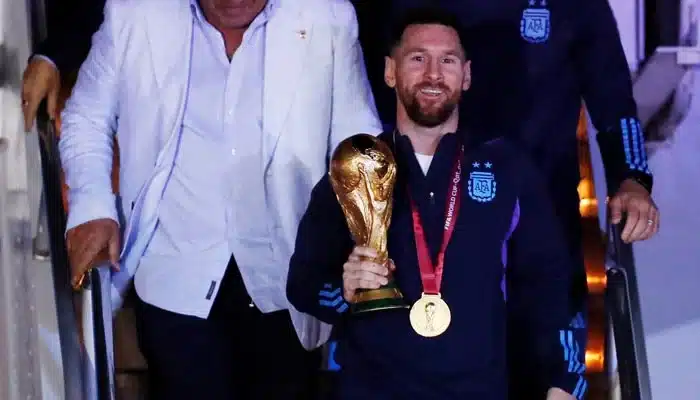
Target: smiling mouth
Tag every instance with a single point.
(432, 92)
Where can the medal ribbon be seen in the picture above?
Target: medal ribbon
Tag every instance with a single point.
(431, 275)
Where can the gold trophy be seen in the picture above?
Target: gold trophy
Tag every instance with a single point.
(363, 174)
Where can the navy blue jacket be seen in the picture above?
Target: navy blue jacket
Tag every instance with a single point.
(382, 357)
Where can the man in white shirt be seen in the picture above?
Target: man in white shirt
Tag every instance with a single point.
(225, 112)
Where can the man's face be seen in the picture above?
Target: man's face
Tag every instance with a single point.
(231, 14)
(428, 70)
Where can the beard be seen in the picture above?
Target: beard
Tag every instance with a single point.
(432, 114)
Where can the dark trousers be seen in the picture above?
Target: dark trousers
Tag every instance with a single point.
(237, 353)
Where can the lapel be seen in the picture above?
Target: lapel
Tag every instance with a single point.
(287, 38)
(169, 32)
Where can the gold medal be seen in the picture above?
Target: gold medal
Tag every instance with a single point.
(430, 316)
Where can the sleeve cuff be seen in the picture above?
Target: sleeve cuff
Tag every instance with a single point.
(574, 384)
(322, 298)
(45, 58)
(331, 297)
(623, 151)
(330, 305)
(82, 210)
(568, 372)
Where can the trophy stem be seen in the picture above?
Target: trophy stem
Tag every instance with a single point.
(386, 297)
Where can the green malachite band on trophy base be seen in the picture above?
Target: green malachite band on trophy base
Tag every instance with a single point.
(385, 298)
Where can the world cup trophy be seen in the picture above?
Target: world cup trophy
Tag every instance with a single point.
(363, 174)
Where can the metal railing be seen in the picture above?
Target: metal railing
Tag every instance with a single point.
(89, 353)
(69, 336)
(623, 306)
(85, 349)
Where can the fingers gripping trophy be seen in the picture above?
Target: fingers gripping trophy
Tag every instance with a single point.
(363, 174)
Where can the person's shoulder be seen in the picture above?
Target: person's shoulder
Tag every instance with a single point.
(123, 15)
(510, 154)
(323, 186)
(387, 137)
(338, 13)
(126, 5)
(501, 147)
(323, 199)
(144, 7)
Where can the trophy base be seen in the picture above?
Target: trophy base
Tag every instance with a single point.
(385, 298)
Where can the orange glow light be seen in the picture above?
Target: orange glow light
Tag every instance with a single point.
(595, 361)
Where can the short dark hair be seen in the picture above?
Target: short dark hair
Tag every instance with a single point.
(424, 15)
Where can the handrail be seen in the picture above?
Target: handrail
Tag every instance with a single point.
(69, 337)
(89, 355)
(97, 374)
(622, 303)
(71, 353)
(102, 367)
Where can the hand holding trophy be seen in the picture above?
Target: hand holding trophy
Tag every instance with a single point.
(363, 174)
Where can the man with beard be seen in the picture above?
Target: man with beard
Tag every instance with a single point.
(534, 61)
(458, 205)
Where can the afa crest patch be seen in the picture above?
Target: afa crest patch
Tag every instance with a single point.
(482, 185)
(535, 23)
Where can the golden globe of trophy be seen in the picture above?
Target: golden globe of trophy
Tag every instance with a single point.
(363, 174)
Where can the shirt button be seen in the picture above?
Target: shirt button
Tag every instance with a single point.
(233, 152)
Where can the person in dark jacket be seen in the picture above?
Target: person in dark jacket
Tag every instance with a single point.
(458, 205)
(533, 62)
(70, 26)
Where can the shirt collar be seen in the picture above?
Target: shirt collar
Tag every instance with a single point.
(263, 17)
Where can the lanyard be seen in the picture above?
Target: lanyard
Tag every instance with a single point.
(431, 275)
